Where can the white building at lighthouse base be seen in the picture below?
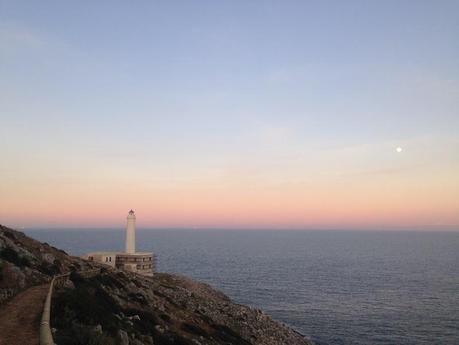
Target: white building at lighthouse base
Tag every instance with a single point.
(140, 262)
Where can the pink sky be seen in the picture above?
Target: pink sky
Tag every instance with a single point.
(410, 199)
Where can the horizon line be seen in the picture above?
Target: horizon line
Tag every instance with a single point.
(191, 228)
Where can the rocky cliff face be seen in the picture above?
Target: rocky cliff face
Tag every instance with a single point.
(120, 308)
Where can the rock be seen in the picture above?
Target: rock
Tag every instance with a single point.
(123, 337)
(146, 339)
(49, 258)
(68, 284)
(97, 329)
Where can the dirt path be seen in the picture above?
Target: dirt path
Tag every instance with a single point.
(20, 317)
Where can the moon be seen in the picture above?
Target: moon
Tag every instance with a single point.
(399, 149)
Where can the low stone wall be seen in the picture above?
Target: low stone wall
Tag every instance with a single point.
(46, 336)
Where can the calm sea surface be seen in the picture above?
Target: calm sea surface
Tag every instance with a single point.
(337, 287)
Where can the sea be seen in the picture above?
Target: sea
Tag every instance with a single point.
(335, 287)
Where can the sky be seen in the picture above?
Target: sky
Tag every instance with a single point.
(230, 114)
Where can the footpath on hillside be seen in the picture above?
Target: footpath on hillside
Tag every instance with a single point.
(20, 317)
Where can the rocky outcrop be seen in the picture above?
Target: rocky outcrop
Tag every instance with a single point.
(25, 262)
(121, 308)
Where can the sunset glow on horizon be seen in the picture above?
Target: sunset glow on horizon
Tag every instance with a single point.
(304, 116)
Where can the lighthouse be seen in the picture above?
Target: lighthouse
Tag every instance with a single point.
(130, 260)
(130, 233)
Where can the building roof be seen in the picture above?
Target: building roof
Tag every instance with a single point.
(135, 254)
(119, 253)
(103, 253)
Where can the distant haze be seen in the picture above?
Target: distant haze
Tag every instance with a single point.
(231, 114)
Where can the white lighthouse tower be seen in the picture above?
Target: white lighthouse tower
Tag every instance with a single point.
(130, 233)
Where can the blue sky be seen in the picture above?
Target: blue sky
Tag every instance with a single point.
(204, 92)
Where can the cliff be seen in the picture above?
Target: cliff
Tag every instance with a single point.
(115, 307)
(25, 262)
